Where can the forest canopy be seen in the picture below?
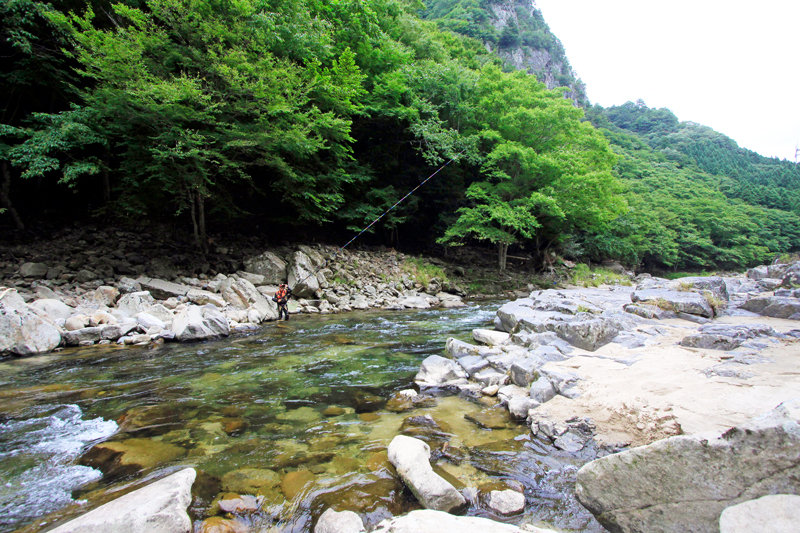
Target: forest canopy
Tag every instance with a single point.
(306, 116)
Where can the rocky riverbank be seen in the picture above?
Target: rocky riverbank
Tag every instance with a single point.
(50, 302)
(626, 366)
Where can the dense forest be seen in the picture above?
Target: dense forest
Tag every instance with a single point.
(302, 118)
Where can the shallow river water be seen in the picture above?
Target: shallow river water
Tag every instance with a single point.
(296, 411)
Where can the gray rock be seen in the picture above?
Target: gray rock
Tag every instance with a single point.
(414, 302)
(458, 349)
(302, 275)
(269, 265)
(243, 295)
(506, 502)
(524, 371)
(135, 302)
(147, 321)
(85, 275)
(105, 295)
(128, 285)
(343, 522)
(648, 311)
(684, 483)
(82, 336)
(490, 376)
(201, 297)
(411, 458)
(542, 390)
(55, 309)
(490, 337)
(198, 323)
(681, 302)
(156, 508)
(23, 331)
(472, 364)
(782, 308)
(759, 272)
(255, 279)
(33, 270)
(587, 335)
(710, 341)
(756, 305)
(561, 381)
(740, 331)
(437, 371)
(776, 513)
(519, 406)
(428, 521)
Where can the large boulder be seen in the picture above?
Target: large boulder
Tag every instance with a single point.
(302, 275)
(688, 302)
(269, 265)
(437, 371)
(156, 508)
(411, 458)
(135, 302)
(33, 270)
(198, 323)
(55, 309)
(243, 295)
(162, 289)
(22, 330)
(586, 334)
(684, 483)
(435, 521)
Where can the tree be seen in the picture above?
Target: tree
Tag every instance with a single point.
(546, 173)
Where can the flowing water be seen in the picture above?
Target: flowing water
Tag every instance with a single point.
(295, 412)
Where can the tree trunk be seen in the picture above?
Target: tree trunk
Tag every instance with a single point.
(502, 254)
(201, 222)
(194, 221)
(106, 181)
(5, 200)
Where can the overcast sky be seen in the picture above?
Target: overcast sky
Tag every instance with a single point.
(733, 66)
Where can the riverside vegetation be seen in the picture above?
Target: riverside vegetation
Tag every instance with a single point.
(311, 118)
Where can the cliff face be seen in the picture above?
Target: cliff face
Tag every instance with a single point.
(515, 31)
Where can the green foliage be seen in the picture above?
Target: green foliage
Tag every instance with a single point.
(585, 276)
(680, 216)
(423, 272)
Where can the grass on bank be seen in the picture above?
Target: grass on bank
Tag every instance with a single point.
(585, 276)
(423, 272)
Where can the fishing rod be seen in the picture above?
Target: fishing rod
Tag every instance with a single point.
(398, 202)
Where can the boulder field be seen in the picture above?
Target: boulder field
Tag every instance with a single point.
(685, 369)
(38, 314)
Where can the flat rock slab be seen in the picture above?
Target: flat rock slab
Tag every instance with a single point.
(156, 508)
(162, 289)
(684, 483)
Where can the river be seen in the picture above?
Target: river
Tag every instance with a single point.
(303, 401)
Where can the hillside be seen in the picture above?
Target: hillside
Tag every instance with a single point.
(305, 120)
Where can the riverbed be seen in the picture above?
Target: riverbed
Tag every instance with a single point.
(304, 400)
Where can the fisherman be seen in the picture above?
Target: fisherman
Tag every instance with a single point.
(282, 296)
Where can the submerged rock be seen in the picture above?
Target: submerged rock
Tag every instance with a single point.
(435, 521)
(344, 522)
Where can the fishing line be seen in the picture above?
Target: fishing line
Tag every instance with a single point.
(398, 202)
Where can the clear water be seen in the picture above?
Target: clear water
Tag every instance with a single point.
(304, 399)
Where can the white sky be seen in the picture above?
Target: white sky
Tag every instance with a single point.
(731, 65)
